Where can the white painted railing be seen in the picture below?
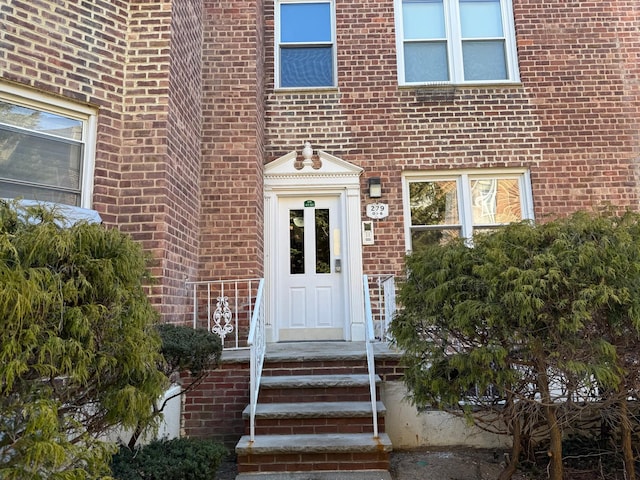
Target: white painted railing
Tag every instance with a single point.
(371, 364)
(382, 291)
(258, 344)
(226, 307)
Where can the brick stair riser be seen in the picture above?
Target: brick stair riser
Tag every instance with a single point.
(313, 462)
(315, 367)
(291, 426)
(322, 394)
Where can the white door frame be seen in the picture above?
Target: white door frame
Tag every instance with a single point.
(333, 176)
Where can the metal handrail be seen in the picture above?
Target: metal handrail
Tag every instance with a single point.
(370, 338)
(258, 345)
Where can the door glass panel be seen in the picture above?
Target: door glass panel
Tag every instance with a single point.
(296, 241)
(323, 253)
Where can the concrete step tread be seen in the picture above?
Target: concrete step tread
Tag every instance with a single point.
(326, 475)
(314, 443)
(315, 410)
(315, 381)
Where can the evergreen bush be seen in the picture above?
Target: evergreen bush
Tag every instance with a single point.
(177, 459)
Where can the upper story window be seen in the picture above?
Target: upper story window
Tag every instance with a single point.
(441, 206)
(46, 148)
(305, 44)
(455, 41)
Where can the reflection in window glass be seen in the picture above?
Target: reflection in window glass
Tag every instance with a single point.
(296, 241)
(40, 121)
(424, 238)
(323, 253)
(41, 155)
(434, 203)
(495, 201)
(464, 205)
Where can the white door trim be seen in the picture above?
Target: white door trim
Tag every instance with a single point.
(332, 175)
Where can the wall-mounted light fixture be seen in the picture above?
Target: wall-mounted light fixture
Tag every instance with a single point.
(375, 188)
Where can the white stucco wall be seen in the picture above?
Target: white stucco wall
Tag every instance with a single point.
(169, 426)
(409, 428)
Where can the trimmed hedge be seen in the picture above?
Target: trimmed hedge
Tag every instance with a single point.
(177, 459)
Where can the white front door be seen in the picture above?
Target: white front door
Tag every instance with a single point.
(310, 268)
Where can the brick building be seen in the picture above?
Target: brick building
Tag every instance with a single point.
(176, 121)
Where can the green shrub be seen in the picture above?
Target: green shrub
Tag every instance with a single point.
(177, 459)
(185, 348)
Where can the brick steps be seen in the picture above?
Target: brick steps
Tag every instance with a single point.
(296, 453)
(315, 415)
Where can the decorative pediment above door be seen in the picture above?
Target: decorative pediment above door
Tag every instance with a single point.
(324, 169)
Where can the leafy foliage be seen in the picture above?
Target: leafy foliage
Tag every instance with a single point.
(78, 350)
(545, 317)
(178, 459)
(185, 348)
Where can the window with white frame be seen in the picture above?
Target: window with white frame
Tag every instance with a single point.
(46, 148)
(455, 41)
(305, 43)
(442, 206)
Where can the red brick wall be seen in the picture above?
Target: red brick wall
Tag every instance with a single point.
(214, 409)
(232, 150)
(573, 121)
(161, 157)
(139, 63)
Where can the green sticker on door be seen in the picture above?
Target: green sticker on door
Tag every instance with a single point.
(309, 203)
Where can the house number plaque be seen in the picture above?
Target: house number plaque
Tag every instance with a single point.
(377, 210)
(309, 203)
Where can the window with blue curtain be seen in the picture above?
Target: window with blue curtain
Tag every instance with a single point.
(306, 44)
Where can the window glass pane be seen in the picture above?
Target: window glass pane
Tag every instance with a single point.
(426, 62)
(38, 121)
(28, 192)
(296, 241)
(32, 158)
(480, 18)
(484, 60)
(423, 19)
(495, 201)
(306, 67)
(423, 238)
(323, 253)
(434, 203)
(305, 22)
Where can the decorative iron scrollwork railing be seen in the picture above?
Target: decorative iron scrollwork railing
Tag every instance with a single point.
(225, 307)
